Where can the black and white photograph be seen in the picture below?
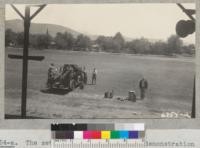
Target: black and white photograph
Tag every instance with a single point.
(100, 61)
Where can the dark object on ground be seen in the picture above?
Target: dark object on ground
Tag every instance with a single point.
(7, 116)
(56, 91)
(121, 99)
(109, 94)
(69, 76)
(132, 96)
(106, 94)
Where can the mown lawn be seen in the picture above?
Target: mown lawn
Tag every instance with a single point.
(170, 85)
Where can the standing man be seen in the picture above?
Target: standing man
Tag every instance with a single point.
(143, 85)
(51, 75)
(84, 75)
(94, 76)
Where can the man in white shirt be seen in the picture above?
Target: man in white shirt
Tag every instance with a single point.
(94, 76)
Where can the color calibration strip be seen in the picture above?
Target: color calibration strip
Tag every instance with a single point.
(98, 131)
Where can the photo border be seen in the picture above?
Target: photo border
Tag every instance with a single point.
(45, 123)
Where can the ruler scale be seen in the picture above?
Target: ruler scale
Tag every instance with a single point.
(97, 135)
(101, 144)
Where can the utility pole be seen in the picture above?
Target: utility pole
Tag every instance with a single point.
(183, 29)
(25, 57)
(193, 114)
(25, 61)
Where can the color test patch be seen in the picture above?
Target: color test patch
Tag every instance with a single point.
(60, 135)
(87, 134)
(141, 134)
(115, 134)
(98, 131)
(133, 134)
(124, 134)
(102, 127)
(78, 134)
(69, 135)
(139, 126)
(105, 134)
(96, 134)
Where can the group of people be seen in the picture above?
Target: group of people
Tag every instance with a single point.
(94, 75)
(143, 84)
(54, 70)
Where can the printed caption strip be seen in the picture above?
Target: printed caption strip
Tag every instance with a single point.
(98, 135)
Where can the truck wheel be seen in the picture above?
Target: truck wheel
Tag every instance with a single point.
(72, 85)
(81, 86)
(49, 84)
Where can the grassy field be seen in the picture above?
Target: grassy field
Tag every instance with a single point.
(170, 85)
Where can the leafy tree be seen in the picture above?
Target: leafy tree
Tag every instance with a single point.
(111, 44)
(10, 37)
(20, 39)
(188, 49)
(118, 41)
(106, 43)
(142, 46)
(82, 42)
(33, 40)
(174, 45)
(64, 40)
(130, 46)
(43, 41)
(159, 48)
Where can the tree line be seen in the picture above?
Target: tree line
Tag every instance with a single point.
(116, 43)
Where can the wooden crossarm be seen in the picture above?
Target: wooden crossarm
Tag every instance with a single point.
(34, 58)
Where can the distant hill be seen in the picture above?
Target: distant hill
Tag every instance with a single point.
(37, 28)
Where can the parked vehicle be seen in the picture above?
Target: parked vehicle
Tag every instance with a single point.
(69, 76)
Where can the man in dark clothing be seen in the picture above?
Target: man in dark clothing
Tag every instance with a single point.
(51, 75)
(143, 85)
(84, 75)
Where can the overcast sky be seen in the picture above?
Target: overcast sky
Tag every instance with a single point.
(153, 21)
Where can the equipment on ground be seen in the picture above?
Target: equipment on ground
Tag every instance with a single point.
(68, 76)
(132, 96)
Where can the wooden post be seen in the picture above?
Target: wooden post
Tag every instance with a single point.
(193, 114)
(27, 21)
(25, 61)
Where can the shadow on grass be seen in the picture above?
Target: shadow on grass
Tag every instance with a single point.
(7, 116)
(91, 84)
(56, 91)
